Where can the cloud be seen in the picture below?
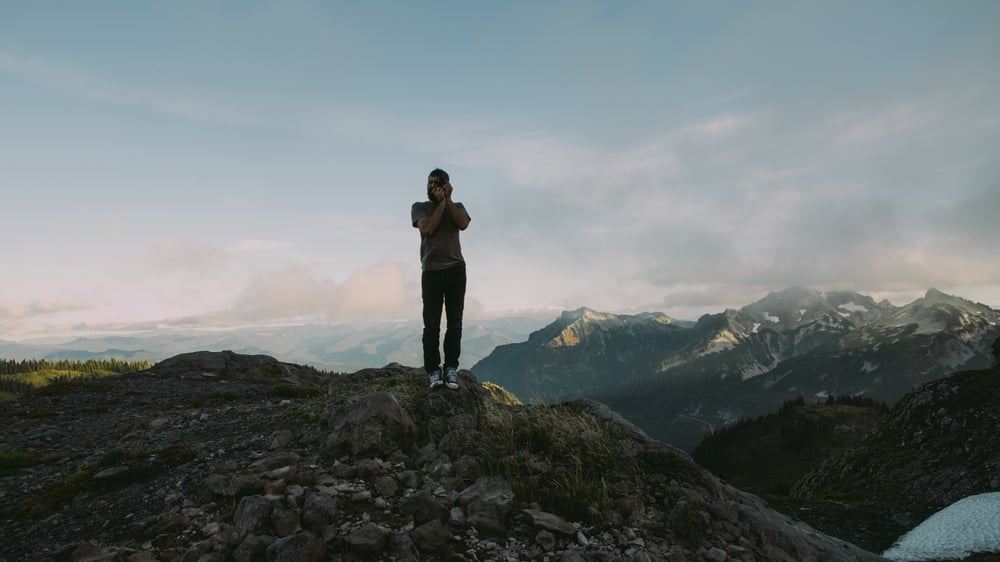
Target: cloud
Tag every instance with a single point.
(23, 310)
(259, 246)
(382, 290)
(184, 255)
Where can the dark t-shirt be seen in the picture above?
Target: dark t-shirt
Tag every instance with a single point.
(440, 250)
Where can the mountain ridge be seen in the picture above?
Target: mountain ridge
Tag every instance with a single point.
(746, 362)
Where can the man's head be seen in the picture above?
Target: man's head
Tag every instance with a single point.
(437, 178)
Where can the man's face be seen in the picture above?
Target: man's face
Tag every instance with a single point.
(435, 184)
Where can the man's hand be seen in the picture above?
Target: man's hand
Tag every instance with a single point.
(447, 190)
(439, 193)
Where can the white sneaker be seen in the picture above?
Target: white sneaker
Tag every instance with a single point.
(435, 377)
(451, 378)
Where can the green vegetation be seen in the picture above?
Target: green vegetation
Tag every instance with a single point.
(295, 392)
(768, 454)
(11, 460)
(56, 495)
(139, 464)
(566, 458)
(29, 375)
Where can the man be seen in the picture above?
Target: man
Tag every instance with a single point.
(442, 281)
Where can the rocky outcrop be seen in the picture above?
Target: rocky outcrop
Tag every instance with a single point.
(937, 445)
(182, 466)
(235, 366)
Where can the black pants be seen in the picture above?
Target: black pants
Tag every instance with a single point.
(445, 287)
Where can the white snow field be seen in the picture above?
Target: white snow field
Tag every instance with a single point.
(965, 527)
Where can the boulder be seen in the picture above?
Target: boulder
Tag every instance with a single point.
(303, 547)
(374, 425)
(235, 366)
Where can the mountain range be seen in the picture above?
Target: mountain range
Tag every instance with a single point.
(679, 381)
(343, 347)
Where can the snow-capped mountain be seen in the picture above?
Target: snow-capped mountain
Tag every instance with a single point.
(679, 381)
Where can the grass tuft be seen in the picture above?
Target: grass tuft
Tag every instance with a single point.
(140, 464)
(293, 392)
(555, 455)
(11, 461)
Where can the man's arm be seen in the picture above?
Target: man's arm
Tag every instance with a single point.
(461, 219)
(429, 225)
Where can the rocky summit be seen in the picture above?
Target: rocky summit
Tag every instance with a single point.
(214, 457)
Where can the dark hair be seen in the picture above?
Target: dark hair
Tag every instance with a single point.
(440, 175)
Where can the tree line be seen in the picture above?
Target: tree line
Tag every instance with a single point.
(89, 367)
(15, 376)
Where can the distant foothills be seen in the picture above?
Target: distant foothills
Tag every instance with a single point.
(677, 380)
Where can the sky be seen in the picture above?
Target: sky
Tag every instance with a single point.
(211, 163)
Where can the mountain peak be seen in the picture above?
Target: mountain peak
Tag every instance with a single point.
(585, 313)
(935, 294)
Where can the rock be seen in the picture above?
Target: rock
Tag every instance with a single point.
(487, 504)
(491, 489)
(546, 540)
(252, 514)
(318, 511)
(369, 468)
(423, 507)
(468, 469)
(303, 547)
(282, 439)
(285, 521)
(386, 486)
(369, 539)
(376, 424)
(402, 549)
(111, 473)
(457, 517)
(235, 366)
(431, 536)
(234, 485)
(716, 554)
(87, 552)
(550, 522)
(252, 549)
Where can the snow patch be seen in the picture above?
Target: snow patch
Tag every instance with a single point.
(853, 307)
(869, 367)
(967, 526)
(769, 318)
(756, 328)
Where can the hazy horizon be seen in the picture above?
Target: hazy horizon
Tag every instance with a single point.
(210, 165)
(542, 316)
